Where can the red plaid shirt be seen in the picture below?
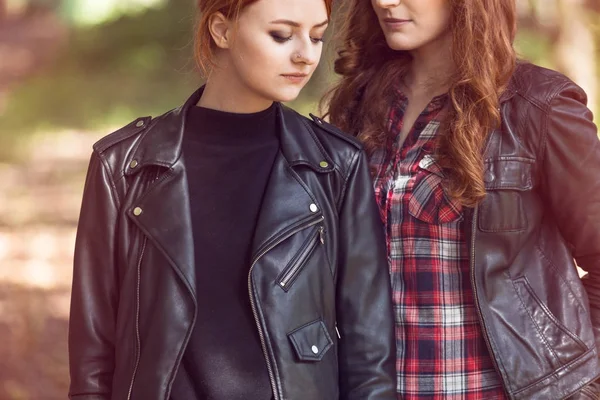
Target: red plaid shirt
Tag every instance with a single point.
(441, 353)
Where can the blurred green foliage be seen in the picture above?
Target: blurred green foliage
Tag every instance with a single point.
(109, 73)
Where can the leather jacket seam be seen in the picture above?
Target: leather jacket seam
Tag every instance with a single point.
(582, 358)
(317, 141)
(589, 392)
(153, 183)
(300, 182)
(502, 370)
(119, 135)
(268, 342)
(555, 268)
(537, 328)
(113, 186)
(139, 140)
(545, 122)
(179, 357)
(353, 166)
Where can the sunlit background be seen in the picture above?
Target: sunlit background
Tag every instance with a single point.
(71, 71)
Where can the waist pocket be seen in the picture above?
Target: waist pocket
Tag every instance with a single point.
(311, 341)
(563, 345)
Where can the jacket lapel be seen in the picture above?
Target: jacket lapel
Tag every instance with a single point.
(286, 205)
(167, 201)
(165, 210)
(287, 202)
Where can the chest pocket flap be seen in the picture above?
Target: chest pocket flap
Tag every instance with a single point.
(505, 181)
(429, 201)
(311, 341)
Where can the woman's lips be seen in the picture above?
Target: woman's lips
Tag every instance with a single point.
(295, 78)
(395, 22)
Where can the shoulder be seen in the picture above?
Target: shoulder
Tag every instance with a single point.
(326, 128)
(337, 146)
(541, 86)
(127, 133)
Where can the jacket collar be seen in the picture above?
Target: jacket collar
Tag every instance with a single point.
(161, 144)
(287, 203)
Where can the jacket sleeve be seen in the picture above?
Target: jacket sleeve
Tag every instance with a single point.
(367, 350)
(94, 290)
(571, 181)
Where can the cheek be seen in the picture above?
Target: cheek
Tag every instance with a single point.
(261, 57)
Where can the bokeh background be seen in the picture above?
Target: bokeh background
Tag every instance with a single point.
(72, 71)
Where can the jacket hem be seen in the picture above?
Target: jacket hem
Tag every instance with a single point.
(564, 381)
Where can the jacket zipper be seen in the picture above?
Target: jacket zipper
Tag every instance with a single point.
(253, 302)
(477, 305)
(137, 320)
(290, 275)
(138, 345)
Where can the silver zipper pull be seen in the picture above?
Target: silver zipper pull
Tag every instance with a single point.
(338, 332)
(322, 234)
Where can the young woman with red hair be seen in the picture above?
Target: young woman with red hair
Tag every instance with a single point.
(486, 171)
(219, 250)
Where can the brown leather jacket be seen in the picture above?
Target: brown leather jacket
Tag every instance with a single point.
(133, 302)
(542, 211)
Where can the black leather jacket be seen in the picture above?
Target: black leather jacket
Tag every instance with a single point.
(542, 211)
(133, 302)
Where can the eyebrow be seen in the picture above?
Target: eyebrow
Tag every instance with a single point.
(297, 25)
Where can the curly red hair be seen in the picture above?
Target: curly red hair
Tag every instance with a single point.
(483, 33)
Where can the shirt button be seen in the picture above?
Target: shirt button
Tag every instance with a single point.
(315, 349)
(314, 208)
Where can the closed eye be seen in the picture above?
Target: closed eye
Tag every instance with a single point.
(279, 38)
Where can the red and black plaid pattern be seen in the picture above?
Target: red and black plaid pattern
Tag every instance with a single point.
(441, 352)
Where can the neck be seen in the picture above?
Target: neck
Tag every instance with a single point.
(431, 69)
(224, 91)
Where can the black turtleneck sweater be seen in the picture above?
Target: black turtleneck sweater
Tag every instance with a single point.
(228, 158)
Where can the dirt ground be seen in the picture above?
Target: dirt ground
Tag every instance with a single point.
(39, 204)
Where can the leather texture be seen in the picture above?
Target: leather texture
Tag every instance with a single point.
(542, 211)
(318, 267)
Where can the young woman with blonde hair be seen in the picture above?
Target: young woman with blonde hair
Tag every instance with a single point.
(231, 249)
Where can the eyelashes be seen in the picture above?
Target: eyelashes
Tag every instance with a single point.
(281, 38)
